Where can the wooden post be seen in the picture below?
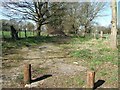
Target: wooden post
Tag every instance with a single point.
(90, 79)
(101, 34)
(27, 73)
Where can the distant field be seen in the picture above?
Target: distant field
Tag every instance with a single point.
(7, 34)
(21, 34)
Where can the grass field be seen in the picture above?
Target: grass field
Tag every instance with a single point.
(21, 34)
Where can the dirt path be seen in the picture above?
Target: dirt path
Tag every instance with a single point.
(53, 62)
(45, 59)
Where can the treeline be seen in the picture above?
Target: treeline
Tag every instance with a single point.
(23, 28)
(56, 18)
(16, 28)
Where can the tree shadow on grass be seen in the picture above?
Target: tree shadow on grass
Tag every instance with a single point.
(98, 84)
(41, 78)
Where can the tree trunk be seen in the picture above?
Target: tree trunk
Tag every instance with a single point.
(33, 32)
(3, 36)
(30, 33)
(39, 29)
(25, 33)
(85, 31)
(20, 33)
(14, 33)
(113, 37)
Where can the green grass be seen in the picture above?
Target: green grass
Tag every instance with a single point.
(6, 34)
(29, 34)
(79, 40)
(31, 41)
(103, 73)
(19, 78)
(104, 50)
(83, 54)
(76, 80)
(21, 34)
(96, 54)
(9, 44)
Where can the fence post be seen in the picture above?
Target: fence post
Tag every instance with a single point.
(90, 79)
(101, 35)
(27, 73)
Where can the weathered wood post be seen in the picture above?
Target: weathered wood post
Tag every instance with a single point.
(101, 34)
(90, 79)
(27, 73)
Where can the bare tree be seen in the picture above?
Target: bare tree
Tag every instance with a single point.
(37, 11)
(90, 11)
(83, 14)
(30, 27)
(77, 14)
(113, 37)
(57, 18)
(14, 33)
(73, 17)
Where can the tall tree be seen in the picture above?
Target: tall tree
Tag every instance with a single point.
(90, 11)
(58, 12)
(37, 11)
(113, 37)
(72, 17)
(14, 29)
(12, 26)
(83, 14)
(25, 28)
(30, 27)
(5, 25)
(78, 14)
(14, 33)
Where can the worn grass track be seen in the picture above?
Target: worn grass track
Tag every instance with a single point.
(66, 58)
